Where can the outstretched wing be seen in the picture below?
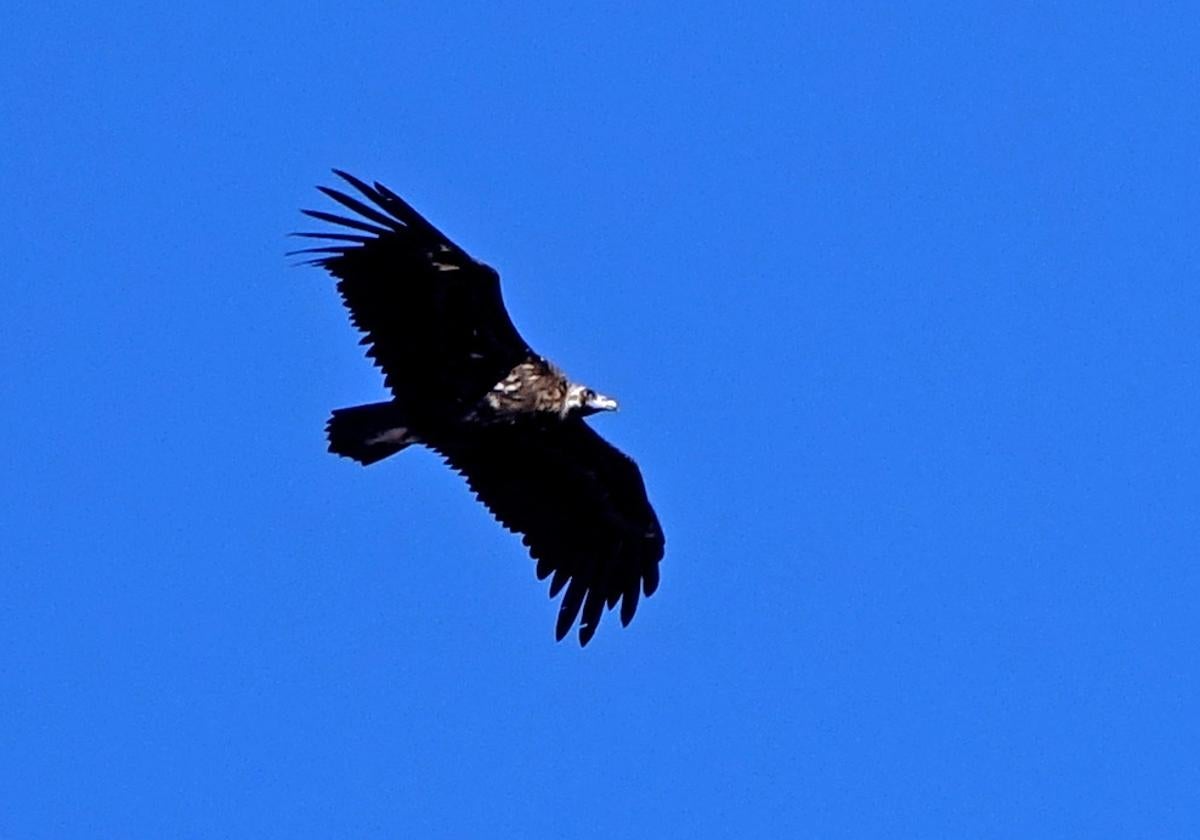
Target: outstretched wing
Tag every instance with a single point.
(433, 317)
(580, 504)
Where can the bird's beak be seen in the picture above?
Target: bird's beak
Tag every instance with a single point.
(601, 403)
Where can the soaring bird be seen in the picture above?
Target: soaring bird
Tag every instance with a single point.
(466, 385)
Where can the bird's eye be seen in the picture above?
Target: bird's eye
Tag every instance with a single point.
(589, 395)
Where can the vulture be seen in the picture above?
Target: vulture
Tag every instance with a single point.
(464, 384)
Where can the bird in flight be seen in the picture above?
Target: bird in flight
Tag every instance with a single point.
(466, 385)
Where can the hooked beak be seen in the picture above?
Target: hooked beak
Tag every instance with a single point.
(601, 403)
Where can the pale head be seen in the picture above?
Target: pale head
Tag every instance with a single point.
(582, 401)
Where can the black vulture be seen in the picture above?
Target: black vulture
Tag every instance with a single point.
(466, 385)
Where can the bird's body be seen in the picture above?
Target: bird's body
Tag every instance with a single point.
(466, 385)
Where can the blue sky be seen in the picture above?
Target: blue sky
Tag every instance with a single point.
(902, 309)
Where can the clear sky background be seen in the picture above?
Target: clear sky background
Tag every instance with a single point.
(903, 310)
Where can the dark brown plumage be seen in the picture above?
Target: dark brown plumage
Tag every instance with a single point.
(465, 384)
